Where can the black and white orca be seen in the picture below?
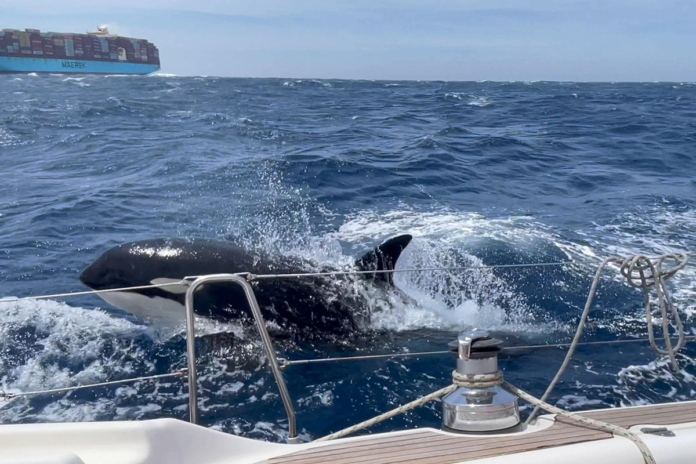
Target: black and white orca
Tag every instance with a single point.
(321, 303)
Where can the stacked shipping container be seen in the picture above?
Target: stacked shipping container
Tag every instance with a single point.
(32, 42)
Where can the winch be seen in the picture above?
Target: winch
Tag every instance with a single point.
(472, 409)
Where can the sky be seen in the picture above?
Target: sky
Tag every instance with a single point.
(461, 40)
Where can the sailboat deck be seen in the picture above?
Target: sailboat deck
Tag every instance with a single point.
(429, 447)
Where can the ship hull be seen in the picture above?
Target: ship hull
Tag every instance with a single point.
(11, 64)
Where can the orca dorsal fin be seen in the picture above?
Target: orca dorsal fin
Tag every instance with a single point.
(384, 257)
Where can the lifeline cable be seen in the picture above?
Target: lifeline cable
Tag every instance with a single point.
(252, 277)
(9, 395)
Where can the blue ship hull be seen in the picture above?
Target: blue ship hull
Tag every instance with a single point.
(11, 64)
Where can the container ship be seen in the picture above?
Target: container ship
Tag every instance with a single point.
(33, 51)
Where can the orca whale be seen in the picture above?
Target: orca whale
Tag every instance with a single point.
(326, 303)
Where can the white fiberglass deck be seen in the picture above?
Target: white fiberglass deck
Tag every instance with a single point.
(434, 447)
(167, 441)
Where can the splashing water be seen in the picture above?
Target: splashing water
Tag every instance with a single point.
(324, 171)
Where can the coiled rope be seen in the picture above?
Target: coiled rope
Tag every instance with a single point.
(635, 270)
(477, 380)
(640, 272)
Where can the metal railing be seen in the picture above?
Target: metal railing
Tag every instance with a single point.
(243, 279)
(638, 264)
(260, 325)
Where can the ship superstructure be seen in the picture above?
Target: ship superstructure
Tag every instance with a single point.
(96, 52)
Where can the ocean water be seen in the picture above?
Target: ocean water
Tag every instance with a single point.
(479, 173)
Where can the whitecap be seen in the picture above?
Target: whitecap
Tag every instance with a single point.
(63, 333)
(479, 101)
(433, 299)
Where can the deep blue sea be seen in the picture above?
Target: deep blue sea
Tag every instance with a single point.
(479, 172)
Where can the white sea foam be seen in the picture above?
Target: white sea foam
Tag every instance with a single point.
(575, 402)
(472, 100)
(650, 231)
(446, 227)
(7, 139)
(322, 395)
(438, 233)
(451, 299)
(442, 239)
(637, 380)
(67, 346)
(64, 335)
(479, 101)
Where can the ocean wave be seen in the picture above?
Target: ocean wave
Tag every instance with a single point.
(454, 299)
(307, 83)
(64, 346)
(538, 175)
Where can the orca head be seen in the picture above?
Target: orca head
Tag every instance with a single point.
(131, 264)
(109, 270)
(384, 258)
(138, 264)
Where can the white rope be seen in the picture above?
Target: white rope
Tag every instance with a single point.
(458, 380)
(388, 415)
(477, 380)
(615, 429)
(483, 381)
(641, 272)
(634, 270)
